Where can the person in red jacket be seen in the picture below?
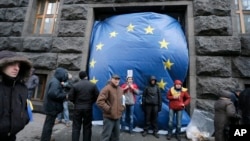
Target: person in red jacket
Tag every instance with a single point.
(179, 98)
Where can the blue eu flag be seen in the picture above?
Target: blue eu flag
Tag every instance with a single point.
(146, 43)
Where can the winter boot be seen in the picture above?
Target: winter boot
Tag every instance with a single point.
(144, 133)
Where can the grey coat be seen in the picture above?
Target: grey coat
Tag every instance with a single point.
(224, 110)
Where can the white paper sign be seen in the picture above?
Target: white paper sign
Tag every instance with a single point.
(129, 73)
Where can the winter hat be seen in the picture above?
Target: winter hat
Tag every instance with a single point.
(177, 82)
(115, 76)
(82, 74)
(8, 57)
(225, 93)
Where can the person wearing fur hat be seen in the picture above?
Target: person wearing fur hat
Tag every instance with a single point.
(14, 70)
(179, 98)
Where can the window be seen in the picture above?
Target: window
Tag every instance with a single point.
(243, 15)
(46, 15)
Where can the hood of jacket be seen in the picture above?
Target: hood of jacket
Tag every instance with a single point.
(61, 74)
(8, 57)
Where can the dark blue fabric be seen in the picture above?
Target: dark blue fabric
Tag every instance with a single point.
(146, 53)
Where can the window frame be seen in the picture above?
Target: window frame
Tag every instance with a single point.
(241, 12)
(44, 15)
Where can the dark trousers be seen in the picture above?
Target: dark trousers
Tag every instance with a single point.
(82, 117)
(151, 117)
(111, 130)
(47, 127)
(7, 138)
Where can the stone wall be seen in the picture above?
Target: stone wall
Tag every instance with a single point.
(222, 60)
(222, 57)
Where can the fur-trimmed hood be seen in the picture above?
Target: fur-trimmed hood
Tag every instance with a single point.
(7, 57)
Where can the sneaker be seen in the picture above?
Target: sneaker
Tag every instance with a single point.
(156, 135)
(57, 121)
(169, 136)
(144, 133)
(68, 124)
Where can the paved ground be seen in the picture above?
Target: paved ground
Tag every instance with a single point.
(32, 132)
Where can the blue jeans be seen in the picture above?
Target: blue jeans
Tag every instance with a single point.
(174, 114)
(65, 113)
(129, 111)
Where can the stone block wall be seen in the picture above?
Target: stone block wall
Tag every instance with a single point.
(222, 57)
(222, 60)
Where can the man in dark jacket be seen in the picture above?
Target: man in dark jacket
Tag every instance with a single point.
(32, 83)
(244, 104)
(151, 103)
(110, 101)
(83, 94)
(14, 69)
(53, 101)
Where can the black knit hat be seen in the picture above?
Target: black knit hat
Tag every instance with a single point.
(82, 74)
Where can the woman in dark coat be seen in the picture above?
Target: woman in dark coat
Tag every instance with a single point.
(224, 112)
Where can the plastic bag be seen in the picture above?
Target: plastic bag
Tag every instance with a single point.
(201, 126)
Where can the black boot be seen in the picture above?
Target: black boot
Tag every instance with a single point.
(144, 133)
(178, 137)
(169, 136)
(156, 135)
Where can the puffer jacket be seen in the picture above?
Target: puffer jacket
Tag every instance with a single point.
(55, 95)
(110, 101)
(181, 102)
(13, 95)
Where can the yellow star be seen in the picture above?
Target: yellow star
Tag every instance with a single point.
(92, 63)
(93, 80)
(113, 34)
(130, 27)
(99, 46)
(168, 64)
(164, 44)
(149, 30)
(161, 84)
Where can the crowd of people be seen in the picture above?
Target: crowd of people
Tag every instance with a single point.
(116, 102)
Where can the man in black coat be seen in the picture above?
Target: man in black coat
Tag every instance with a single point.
(244, 104)
(14, 69)
(83, 94)
(53, 101)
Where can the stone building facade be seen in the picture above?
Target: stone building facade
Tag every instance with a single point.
(219, 56)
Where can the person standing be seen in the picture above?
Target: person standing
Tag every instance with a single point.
(83, 94)
(32, 83)
(130, 90)
(65, 113)
(179, 98)
(53, 101)
(151, 103)
(224, 113)
(244, 104)
(110, 101)
(14, 69)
